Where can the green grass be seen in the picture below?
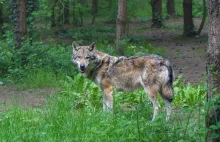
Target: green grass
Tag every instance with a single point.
(75, 114)
(41, 78)
(61, 122)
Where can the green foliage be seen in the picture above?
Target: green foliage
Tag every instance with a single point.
(213, 107)
(86, 95)
(134, 47)
(18, 63)
(197, 8)
(97, 34)
(189, 95)
(40, 78)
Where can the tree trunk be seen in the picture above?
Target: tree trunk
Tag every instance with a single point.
(32, 6)
(188, 18)
(66, 13)
(213, 72)
(203, 18)
(81, 12)
(121, 25)
(60, 20)
(20, 23)
(171, 8)
(74, 13)
(1, 18)
(156, 13)
(94, 10)
(53, 18)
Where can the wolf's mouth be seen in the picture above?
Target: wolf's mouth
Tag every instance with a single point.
(82, 70)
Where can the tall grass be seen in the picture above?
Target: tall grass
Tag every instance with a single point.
(40, 78)
(75, 114)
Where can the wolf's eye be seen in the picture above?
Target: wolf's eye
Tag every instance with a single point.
(87, 57)
(76, 57)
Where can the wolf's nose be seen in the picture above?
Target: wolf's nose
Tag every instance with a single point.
(82, 67)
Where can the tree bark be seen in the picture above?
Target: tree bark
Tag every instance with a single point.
(213, 71)
(53, 18)
(203, 18)
(121, 24)
(82, 2)
(1, 18)
(94, 10)
(74, 13)
(66, 13)
(20, 22)
(156, 13)
(60, 19)
(171, 8)
(188, 18)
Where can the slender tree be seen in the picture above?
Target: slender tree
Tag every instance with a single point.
(66, 12)
(121, 24)
(53, 17)
(213, 72)
(32, 6)
(94, 10)
(188, 18)
(82, 2)
(203, 17)
(60, 18)
(1, 17)
(19, 16)
(156, 13)
(171, 8)
(74, 12)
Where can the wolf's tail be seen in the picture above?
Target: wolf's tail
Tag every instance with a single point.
(170, 72)
(167, 88)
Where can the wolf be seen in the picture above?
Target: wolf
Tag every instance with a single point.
(151, 72)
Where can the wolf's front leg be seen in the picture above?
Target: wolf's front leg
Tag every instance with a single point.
(107, 98)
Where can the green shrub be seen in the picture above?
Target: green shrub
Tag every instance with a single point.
(187, 95)
(18, 63)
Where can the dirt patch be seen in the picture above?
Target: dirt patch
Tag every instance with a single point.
(25, 98)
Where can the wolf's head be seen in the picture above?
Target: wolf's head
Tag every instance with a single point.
(84, 57)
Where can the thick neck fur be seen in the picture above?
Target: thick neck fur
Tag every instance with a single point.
(104, 61)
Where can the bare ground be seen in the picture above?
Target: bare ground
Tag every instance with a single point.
(186, 54)
(9, 96)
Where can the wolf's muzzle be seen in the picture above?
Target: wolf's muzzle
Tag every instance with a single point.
(82, 68)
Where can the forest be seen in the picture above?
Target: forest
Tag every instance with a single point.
(44, 97)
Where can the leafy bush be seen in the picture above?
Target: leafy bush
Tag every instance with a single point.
(87, 94)
(187, 95)
(17, 63)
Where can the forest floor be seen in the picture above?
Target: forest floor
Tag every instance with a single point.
(187, 56)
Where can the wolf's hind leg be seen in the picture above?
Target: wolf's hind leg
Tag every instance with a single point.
(107, 98)
(167, 95)
(152, 94)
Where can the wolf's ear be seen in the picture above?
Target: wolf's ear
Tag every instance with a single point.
(75, 45)
(91, 46)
